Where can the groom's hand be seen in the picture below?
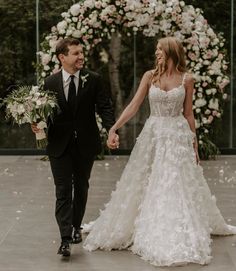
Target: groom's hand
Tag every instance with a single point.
(34, 128)
(113, 140)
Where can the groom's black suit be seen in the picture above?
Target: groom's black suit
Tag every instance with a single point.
(73, 142)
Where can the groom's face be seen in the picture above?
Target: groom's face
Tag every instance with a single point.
(74, 60)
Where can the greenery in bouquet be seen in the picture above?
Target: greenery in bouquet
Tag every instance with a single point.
(30, 104)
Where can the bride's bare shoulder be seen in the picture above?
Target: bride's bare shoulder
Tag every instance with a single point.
(148, 75)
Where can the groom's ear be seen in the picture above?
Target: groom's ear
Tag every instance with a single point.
(61, 58)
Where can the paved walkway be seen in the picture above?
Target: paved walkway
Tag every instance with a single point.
(28, 231)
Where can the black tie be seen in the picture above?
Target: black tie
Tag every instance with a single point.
(72, 94)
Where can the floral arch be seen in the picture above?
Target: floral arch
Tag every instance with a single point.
(94, 21)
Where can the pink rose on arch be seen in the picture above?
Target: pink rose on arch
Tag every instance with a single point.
(193, 41)
(223, 84)
(192, 56)
(126, 9)
(104, 18)
(96, 41)
(214, 113)
(210, 119)
(110, 21)
(208, 54)
(220, 56)
(98, 4)
(56, 70)
(85, 37)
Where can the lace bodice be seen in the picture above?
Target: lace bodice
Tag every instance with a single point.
(166, 103)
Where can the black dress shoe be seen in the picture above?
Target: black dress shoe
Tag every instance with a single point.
(77, 237)
(65, 249)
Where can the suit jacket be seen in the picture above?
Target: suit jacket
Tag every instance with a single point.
(91, 97)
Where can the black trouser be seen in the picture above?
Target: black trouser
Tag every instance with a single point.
(71, 174)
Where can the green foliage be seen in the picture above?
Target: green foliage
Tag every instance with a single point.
(18, 38)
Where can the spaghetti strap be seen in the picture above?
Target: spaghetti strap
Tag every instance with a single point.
(183, 81)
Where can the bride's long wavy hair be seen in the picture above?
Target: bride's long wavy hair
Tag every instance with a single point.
(171, 48)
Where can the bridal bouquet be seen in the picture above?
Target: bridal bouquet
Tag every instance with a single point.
(29, 104)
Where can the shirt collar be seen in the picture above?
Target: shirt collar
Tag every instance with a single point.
(67, 75)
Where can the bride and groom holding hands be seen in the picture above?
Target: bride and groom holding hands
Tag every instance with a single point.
(162, 208)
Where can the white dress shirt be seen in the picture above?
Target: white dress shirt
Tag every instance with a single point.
(66, 81)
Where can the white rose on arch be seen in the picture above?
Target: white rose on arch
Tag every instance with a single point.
(61, 27)
(200, 102)
(45, 58)
(75, 9)
(214, 104)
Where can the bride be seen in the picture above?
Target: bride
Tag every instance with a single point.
(162, 208)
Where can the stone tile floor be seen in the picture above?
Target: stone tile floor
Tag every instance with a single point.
(29, 236)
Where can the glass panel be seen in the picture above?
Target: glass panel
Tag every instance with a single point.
(226, 138)
(18, 54)
(137, 56)
(233, 59)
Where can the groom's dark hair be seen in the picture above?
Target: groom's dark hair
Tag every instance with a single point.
(62, 45)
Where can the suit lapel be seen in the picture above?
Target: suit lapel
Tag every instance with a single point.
(82, 86)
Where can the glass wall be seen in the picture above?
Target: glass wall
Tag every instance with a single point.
(226, 138)
(19, 25)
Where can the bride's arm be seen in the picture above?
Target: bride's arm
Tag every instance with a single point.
(188, 109)
(132, 107)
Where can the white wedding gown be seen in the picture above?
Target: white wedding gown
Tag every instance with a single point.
(162, 208)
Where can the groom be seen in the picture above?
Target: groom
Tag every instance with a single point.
(73, 136)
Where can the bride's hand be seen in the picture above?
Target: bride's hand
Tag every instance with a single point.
(196, 154)
(195, 146)
(197, 157)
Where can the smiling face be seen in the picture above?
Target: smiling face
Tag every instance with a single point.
(170, 49)
(160, 55)
(169, 54)
(73, 60)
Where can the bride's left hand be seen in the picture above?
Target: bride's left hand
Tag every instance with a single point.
(195, 147)
(197, 156)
